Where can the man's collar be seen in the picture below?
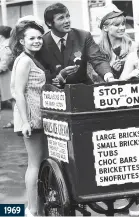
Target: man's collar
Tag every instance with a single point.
(56, 38)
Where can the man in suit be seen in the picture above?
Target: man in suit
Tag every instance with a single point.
(66, 50)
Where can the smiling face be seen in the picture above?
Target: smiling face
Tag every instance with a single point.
(61, 24)
(117, 28)
(32, 41)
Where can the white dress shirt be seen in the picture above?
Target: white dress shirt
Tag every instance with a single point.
(57, 39)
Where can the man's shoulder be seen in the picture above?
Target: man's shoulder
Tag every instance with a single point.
(47, 34)
(80, 31)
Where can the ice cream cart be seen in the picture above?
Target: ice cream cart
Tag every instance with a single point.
(92, 136)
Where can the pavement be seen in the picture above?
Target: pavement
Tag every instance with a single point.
(13, 163)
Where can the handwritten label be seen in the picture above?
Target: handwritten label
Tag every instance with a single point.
(116, 156)
(56, 128)
(58, 149)
(116, 96)
(54, 100)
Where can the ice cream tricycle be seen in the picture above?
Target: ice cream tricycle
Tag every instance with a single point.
(92, 136)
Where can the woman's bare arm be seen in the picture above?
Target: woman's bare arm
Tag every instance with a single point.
(21, 79)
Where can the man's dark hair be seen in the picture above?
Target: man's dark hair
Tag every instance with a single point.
(51, 10)
(5, 31)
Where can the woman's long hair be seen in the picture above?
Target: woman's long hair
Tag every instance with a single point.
(105, 44)
(18, 33)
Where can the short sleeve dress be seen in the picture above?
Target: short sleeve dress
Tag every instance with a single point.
(33, 88)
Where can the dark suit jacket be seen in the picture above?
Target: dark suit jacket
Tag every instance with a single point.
(78, 41)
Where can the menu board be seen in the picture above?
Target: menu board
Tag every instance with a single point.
(116, 156)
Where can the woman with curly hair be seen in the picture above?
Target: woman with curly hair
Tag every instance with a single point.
(26, 84)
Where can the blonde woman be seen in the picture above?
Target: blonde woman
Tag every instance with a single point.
(115, 43)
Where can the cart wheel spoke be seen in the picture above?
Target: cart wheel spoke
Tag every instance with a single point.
(52, 192)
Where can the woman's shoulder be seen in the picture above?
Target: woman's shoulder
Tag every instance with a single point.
(23, 59)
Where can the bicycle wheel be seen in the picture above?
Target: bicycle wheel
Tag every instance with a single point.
(53, 190)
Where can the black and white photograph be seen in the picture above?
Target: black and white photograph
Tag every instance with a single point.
(69, 108)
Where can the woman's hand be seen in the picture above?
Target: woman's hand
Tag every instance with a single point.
(117, 65)
(26, 130)
(69, 70)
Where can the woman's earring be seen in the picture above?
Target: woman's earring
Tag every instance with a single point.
(22, 41)
(105, 28)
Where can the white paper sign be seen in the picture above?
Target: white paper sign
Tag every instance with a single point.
(56, 128)
(116, 96)
(58, 149)
(54, 100)
(116, 155)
